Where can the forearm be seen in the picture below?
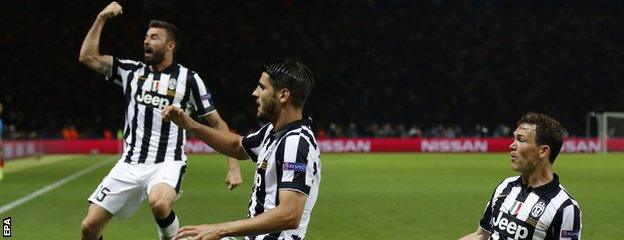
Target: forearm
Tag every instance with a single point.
(480, 234)
(90, 50)
(271, 221)
(220, 140)
(222, 125)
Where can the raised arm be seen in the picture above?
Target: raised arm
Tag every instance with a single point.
(222, 141)
(90, 50)
(233, 177)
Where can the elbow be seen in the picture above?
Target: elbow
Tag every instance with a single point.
(84, 58)
(292, 221)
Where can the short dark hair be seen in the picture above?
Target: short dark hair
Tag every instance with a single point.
(172, 31)
(548, 131)
(291, 74)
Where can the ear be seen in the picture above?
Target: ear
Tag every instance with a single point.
(544, 152)
(171, 45)
(283, 95)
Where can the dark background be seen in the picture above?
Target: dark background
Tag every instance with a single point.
(412, 63)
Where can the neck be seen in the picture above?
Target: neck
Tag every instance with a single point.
(161, 66)
(541, 175)
(287, 115)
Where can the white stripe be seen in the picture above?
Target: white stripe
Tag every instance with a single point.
(291, 148)
(201, 87)
(52, 186)
(527, 206)
(568, 218)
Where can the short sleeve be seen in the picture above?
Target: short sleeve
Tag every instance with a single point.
(296, 159)
(121, 70)
(485, 221)
(253, 142)
(201, 99)
(567, 222)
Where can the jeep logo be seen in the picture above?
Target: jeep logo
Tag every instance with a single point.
(510, 227)
(152, 100)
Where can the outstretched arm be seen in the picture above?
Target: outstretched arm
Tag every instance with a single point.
(287, 215)
(233, 177)
(90, 50)
(224, 142)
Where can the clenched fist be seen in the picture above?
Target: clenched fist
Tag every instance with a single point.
(113, 9)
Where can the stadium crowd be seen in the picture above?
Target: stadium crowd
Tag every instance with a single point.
(383, 68)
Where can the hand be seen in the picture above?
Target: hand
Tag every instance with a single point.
(113, 9)
(233, 177)
(176, 115)
(201, 232)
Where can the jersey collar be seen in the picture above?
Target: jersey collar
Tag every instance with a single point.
(291, 126)
(546, 190)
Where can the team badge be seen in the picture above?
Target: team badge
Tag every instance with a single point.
(263, 165)
(172, 84)
(538, 209)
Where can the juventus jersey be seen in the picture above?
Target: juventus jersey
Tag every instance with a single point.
(285, 159)
(517, 211)
(147, 138)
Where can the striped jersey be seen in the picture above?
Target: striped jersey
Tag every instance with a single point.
(518, 211)
(285, 159)
(147, 138)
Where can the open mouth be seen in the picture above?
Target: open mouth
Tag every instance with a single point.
(148, 51)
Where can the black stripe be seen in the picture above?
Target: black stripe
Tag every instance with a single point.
(249, 142)
(279, 169)
(295, 237)
(273, 236)
(128, 66)
(180, 140)
(260, 193)
(134, 119)
(303, 149)
(312, 140)
(179, 184)
(496, 205)
(128, 98)
(162, 143)
(147, 127)
(577, 220)
(164, 129)
(554, 230)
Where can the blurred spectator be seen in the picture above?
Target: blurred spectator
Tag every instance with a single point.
(375, 62)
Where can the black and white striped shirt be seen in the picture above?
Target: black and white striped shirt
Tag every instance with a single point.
(286, 159)
(517, 211)
(147, 138)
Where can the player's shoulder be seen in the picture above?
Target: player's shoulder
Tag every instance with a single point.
(507, 181)
(300, 134)
(191, 74)
(127, 61)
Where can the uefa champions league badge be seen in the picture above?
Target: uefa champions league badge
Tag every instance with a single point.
(298, 167)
